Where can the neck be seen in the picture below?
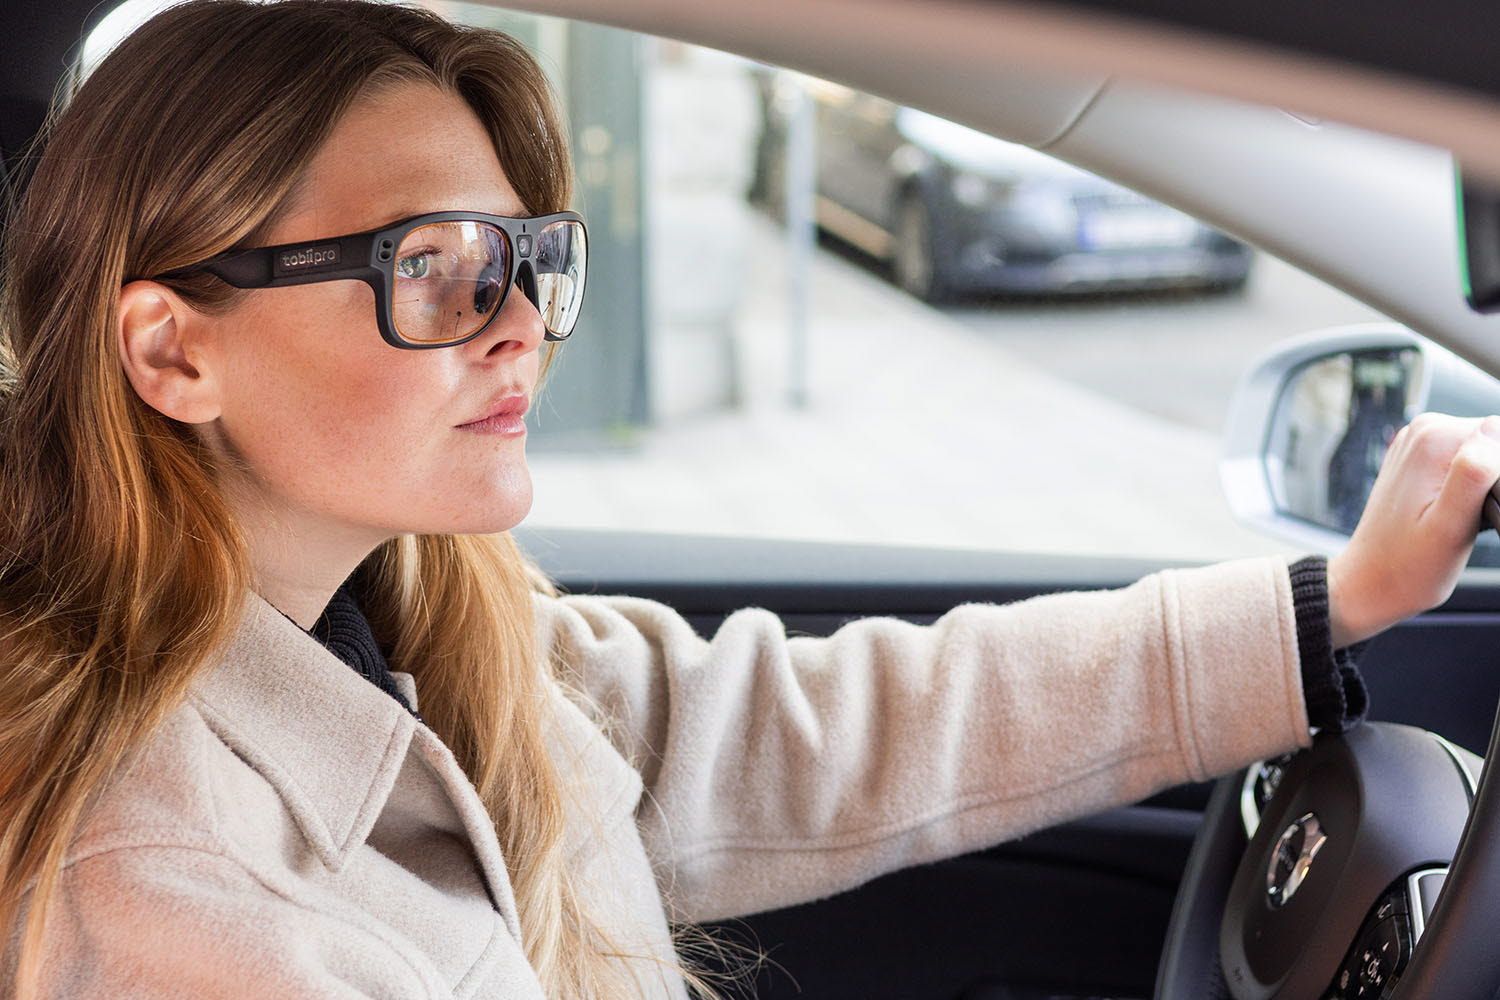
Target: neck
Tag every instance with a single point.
(300, 559)
(301, 597)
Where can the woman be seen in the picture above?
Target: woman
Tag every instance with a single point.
(227, 481)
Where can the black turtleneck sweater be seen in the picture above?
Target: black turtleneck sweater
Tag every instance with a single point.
(1336, 696)
(343, 629)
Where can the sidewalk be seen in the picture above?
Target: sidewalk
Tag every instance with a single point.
(918, 431)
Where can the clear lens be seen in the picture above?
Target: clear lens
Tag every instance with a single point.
(450, 278)
(560, 262)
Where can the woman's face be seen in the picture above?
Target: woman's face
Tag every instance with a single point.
(333, 423)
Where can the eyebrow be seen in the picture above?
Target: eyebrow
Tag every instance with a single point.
(391, 220)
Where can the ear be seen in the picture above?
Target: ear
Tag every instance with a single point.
(161, 358)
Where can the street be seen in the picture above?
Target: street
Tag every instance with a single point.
(1173, 355)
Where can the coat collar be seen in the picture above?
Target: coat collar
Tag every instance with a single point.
(332, 745)
(328, 740)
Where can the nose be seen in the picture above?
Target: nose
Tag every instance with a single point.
(517, 329)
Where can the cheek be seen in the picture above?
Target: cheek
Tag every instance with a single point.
(316, 407)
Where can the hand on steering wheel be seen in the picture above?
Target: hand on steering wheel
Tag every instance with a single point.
(1418, 526)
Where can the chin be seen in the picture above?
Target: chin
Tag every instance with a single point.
(484, 508)
(501, 510)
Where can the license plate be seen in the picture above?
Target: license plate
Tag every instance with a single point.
(1121, 228)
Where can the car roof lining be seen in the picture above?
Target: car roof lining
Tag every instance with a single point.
(885, 47)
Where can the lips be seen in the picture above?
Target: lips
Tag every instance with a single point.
(511, 405)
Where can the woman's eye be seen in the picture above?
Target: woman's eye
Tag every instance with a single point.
(414, 266)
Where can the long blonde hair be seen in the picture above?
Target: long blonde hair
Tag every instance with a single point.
(121, 572)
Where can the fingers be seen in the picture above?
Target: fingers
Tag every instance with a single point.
(1415, 464)
(1473, 470)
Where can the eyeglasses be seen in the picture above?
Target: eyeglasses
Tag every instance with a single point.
(440, 278)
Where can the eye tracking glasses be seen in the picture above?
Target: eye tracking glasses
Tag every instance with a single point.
(439, 278)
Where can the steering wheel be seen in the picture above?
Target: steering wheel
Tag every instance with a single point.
(1317, 875)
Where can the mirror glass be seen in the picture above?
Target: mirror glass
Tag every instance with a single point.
(1334, 420)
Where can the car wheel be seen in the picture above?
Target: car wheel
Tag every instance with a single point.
(913, 259)
(1232, 287)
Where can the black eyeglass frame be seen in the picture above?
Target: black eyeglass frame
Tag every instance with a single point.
(370, 257)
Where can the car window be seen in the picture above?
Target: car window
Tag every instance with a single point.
(813, 313)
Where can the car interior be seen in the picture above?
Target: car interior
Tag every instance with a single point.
(1141, 901)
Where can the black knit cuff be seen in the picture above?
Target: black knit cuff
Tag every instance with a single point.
(1337, 699)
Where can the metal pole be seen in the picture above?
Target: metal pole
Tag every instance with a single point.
(801, 182)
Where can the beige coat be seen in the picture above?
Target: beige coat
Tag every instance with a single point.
(293, 832)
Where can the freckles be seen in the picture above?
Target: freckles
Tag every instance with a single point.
(381, 409)
(309, 406)
(342, 377)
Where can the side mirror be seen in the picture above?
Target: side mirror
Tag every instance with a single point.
(1309, 426)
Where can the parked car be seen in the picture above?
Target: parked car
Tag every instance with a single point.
(955, 211)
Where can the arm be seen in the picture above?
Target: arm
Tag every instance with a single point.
(783, 769)
(174, 920)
